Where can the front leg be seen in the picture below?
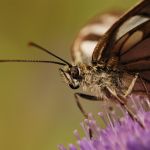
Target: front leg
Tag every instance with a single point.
(86, 97)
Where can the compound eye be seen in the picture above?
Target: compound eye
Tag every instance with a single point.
(75, 73)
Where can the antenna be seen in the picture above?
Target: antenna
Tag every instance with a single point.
(50, 53)
(32, 61)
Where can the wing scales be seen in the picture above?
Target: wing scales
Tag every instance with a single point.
(129, 40)
(89, 35)
(136, 17)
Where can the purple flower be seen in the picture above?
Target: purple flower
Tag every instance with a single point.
(119, 134)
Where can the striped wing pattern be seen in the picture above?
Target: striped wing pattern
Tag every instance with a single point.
(88, 37)
(129, 40)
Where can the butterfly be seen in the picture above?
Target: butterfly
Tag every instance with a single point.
(110, 58)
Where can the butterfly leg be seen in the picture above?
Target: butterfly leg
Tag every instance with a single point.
(86, 97)
(121, 100)
(145, 87)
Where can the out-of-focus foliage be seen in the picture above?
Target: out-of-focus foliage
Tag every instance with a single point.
(37, 110)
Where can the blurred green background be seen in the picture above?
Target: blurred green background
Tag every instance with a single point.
(37, 110)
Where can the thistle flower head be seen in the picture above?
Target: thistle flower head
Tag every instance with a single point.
(122, 134)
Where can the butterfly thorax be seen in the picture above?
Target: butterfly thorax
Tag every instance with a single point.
(103, 82)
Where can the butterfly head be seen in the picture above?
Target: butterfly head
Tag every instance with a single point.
(70, 73)
(72, 76)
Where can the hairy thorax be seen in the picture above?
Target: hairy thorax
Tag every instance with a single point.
(104, 83)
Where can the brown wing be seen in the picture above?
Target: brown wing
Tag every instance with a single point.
(129, 40)
(88, 37)
(136, 57)
(135, 17)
